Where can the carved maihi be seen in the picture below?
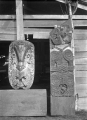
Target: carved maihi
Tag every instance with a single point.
(21, 64)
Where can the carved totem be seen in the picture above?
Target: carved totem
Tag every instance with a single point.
(21, 64)
(61, 61)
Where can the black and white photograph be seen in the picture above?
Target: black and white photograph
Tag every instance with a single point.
(43, 59)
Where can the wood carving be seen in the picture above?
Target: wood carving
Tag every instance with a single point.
(61, 34)
(61, 61)
(62, 73)
(21, 64)
(55, 36)
(67, 54)
(62, 84)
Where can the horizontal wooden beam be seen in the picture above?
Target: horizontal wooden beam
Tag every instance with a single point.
(82, 92)
(81, 89)
(44, 17)
(82, 104)
(80, 34)
(80, 73)
(80, 54)
(40, 23)
(81, 61)
(81, 68)
(81, 80)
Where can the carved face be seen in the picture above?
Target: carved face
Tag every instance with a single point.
(21, 64)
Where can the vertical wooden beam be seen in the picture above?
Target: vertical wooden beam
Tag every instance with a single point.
(19, 20)
(61, 71)
(72, 44)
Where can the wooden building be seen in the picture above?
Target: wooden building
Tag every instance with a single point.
(39, 18)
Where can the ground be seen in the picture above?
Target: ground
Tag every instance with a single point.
(78, 116)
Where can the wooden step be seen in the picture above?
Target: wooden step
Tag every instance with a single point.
(23, 102)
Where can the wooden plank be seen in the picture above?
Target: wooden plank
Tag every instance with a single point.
(81, 45)
(80, 73)
(43, 33)
(54, 17)
(4, 37)
(81, 61)
(12, 30)
(80, 35)
(81, 89)
(23, 102)
(62, 106)
(81, 80)
(40, 23)
(80, 54)
(51, 23)
(81, 103)
(19, 20)
(81, 67)
(13, 17)
(81, 93)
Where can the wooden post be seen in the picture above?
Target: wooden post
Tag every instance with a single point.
(19, 20)
(72, 44)
(61, 69)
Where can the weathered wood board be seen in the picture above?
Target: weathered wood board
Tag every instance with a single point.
(83, 17)
(40, 23)
(81, 74)
(62, 105)
(81, 89)
(23, 102)
(81, 80)
(80, 54)
(81, 104)
(81, 61)
(41, 33)
(19, 20)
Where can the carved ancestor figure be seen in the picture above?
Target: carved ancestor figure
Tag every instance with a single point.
(21, 64)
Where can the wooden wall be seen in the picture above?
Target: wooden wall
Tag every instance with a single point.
(40, 26)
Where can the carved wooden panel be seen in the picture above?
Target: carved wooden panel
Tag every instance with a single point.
(62, 84)
(61, 61)
(61, 35)
(21, 64)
